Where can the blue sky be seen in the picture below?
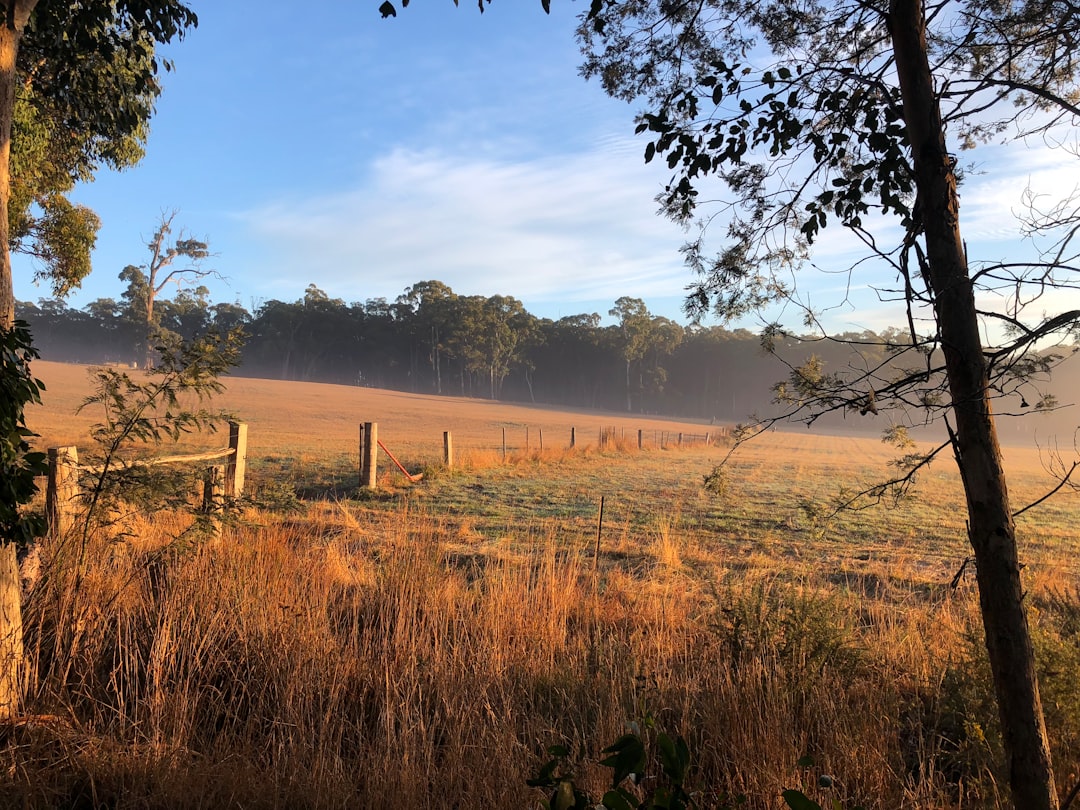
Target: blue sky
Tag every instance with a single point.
(330, 146)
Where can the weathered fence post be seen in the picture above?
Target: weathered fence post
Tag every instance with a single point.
(363, 455)
(504, 443)
(448, 449)
(236, 465)
(214, 487)
(680, 439)
(526, 438)
(369, 455)
(573, 437)
(639, 438)
(62, 489)
(541, 432)
(214, 495)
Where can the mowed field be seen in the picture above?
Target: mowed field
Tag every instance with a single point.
(421, 646)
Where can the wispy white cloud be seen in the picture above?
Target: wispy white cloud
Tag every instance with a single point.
(551, 231)
(994, 196)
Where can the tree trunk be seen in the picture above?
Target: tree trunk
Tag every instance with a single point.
(991, 531)
(16, 13)
(437, 359)
(12, 668)
(9, 47)
(149, 331)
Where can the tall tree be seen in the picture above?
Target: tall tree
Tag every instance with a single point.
(90, 70)
(854, 112)
(172, 261)
(431, 305)
(491, 335)
(635, 328)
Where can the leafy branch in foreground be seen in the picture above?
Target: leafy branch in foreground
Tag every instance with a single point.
(167, 403)
(19, 465)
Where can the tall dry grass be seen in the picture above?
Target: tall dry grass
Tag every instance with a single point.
(364, 661)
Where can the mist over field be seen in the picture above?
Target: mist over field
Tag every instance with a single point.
(432, 341)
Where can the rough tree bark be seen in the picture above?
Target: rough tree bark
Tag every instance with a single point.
(992, 531)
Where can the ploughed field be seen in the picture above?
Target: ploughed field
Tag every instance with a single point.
(422, 644)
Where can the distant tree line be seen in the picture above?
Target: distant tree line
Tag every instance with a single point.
(432, 340)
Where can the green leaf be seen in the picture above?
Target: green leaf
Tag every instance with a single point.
(797, 800)
(628, 757)
(671, 757)
(617, 799)
(544, 777)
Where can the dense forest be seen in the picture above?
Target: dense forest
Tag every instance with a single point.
(431, 340)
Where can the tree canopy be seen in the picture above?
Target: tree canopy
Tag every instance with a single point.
(83, 84)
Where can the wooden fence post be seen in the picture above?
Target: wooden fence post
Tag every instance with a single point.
(573, 437)
(236, 465)
(63, 488)
(363, 455)
(504, 443)
(639, 439)
(214, 486)
(448, 449)
(369, 457)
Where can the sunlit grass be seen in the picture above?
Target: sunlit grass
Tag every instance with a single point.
(422, 645)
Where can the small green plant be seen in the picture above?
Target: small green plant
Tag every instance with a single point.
(19, 465)
(797, 800)
(629, 760)
(136, 413)
(148, 412)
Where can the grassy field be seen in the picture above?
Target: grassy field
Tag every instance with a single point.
(420, 646)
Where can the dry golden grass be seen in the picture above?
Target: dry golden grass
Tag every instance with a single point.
(320, 418)
(421, 647)
(367, 664)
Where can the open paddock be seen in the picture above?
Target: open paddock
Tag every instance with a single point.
(420, 646)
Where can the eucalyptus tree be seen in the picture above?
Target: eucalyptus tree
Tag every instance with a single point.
(430, 305)
(790, 115)
(665, 335)
(634, 330)
(176, 262)
(78, 84)
(491, 335)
